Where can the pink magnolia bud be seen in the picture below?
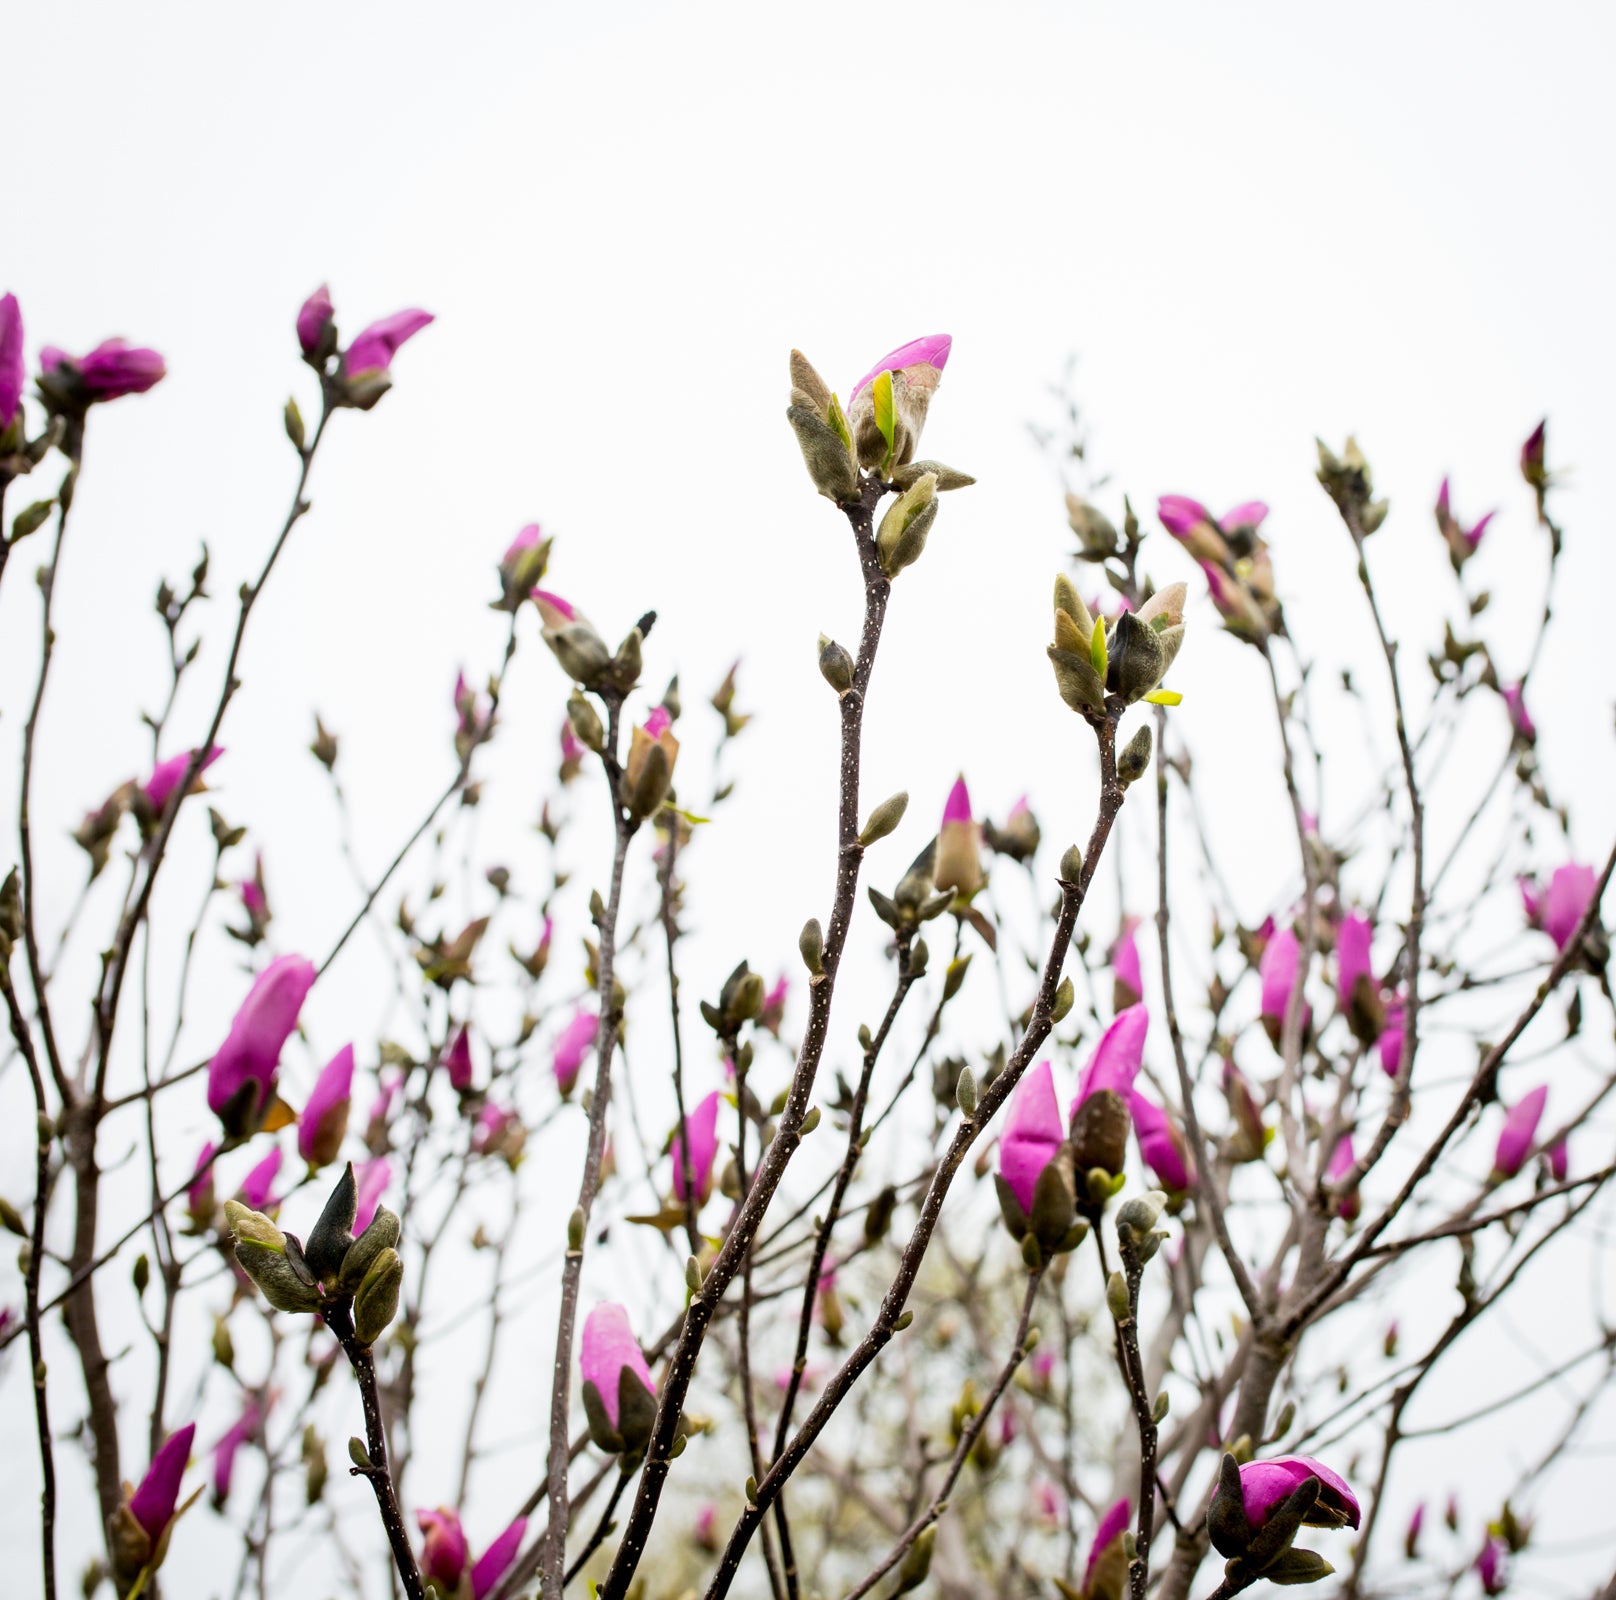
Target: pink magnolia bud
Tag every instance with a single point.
(703, 1124)
(457, 1058)
(1032, 1134)
(1279, 969)
(1117, 1057)
(959, 858)
(774, 1006)
(605, 1348)
(1193, 526)
(381, 1109)
(252, 1049)
(1519, 1130)
(499, 1132)
(1265, 1485)
(224, 1452)
(1411, 1539)
(12, 369)
(443, 1552)
(704, 1530)
(1352, 943)
(1128, 984)
(256, 1186)
(312, 319)
(1559, 1160)
(929, 351)
(152, 1504)
(1558, 909)
(1462, 542)
(166, 776)
(1105, 1572)
(1161, 1145)
(554, 612)
(110, 371)
(1342, 1160)
(1492, 1566)
(1047, 1503)
(1520, 719)
(1534, 456)
(371, 1181)
(324, 1122)
(916, 368)
(199, 1197)
(1390, 1043)
(496, 1560)
(373, 350)
(571, 1048)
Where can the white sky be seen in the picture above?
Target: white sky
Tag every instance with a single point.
(1253, 223)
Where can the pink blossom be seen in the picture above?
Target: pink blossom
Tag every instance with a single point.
(1390, 1043)
(1047, 1502)
(703, 1148)
(658, 723)
(1342, 1160)
(495, 1561)
(1492, 1566)
(931, 350)
(1129, 985)
(1265, 1485)
(199, 1197)
(1180, 515)
(958, 806)
(1519, 1130)
(152, 1504)
(458, 1059)
(1107, 1540)
(1248, 514)
(606, 1347)
(1032, 1134)
(111, 370)
(1116, 1057)
(1161, 1145)
(1520, 719)
(1352, 943)
(1277, 969)
(224, 1452)
(375, 347)
(256, 1186)
(774, 1006)
(312, 318)
(958, 863)
(166, 776)
(252, 1049)
(443, 1552)
(12, 369)
(553, 610)
(381, 1108)
(1534, 455)
(573, 1046)
(324, 1121)
(1411, 1539)
(1559, 1160)
(371, 1181)
(499, 1131)
(572, 752)
(1558, 909)
(704, 1530)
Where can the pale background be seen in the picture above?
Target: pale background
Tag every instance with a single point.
(1252, 223)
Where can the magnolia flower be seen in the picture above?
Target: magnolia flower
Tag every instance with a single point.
(1161, 1145)
(1099, 1120)
(1557, 910)
(1462, 542)
(313, 317)
(522, 565)
(1519, 1130)
(255, 902)
(256, 1186)
(1194, 527)
(241, 1076)
(142, 1524)
(1265, 1485)
(1105, 1574)
(324, 1121)
(457, 1058)
(1389, 1045)
(1492, 1567)
(704, 1530)
(572, 1047)
(959, 861)
(199, 1197)
(373, 350)
(1032, 1134)
(499, 1131)
(1520, 719)
(1534, 455)
(1342, 1160)
(1278, 970)
(495, 1561)
(370, 1182)
(703, 1147)
(12, 369)
(612, 1365)
(916, 369)
(1352, 942)
(167, 776)
(648, 770)
(443, 1552)
(774, 1006)
(1411, 1539)
(572, 752)
(1019, 836)
(111, 370)
(1128, 984)
(224, 1452)
(1047, 1503)
(1249, 1138)
(1559, 1160)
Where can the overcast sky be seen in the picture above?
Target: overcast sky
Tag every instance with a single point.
(1250, 223)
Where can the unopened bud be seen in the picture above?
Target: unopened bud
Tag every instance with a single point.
(1064, 996)
(965, 1096)
(576, 1224)
(884, 819)
(1116, 1296)
(917, 1564)
(811, 946)
(376, 1304)
(901, 537)
(835, 665)
(905, 1317)
(586, 724)
(1158, 1411)
(692, 1274)
(1135, 757)
(1071, 865)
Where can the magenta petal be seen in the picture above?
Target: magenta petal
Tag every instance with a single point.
(1116, 1057)
(930, 350)
(373, 350)
(1352, 943)
(252, 1049)
(658, 723)
(371, 1182)
(573, 1046)
(255, 1187)
(1277, 969)
(1112, 1526)
(496, 1559)
(443, 1552)
(1570, 893)
(167, 775)
(606, 1346)
(1248, 514)
(1032, 1134)
(958, 806)
(1265, 1483)
(314, 314)
(458, 1059)
(12, 369)
(1179, 515)
(116, 368)
(152, 1504)
(329, 1098)
(703, 1123)
(1159, 1142)
(1125, 957)
(1519, 1130)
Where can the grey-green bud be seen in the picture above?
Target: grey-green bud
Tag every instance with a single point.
(965, 1095)
(811, 946)
(835, 665)
(376, 1304)
(884, 818)
(586, 724)
(1135, 758)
